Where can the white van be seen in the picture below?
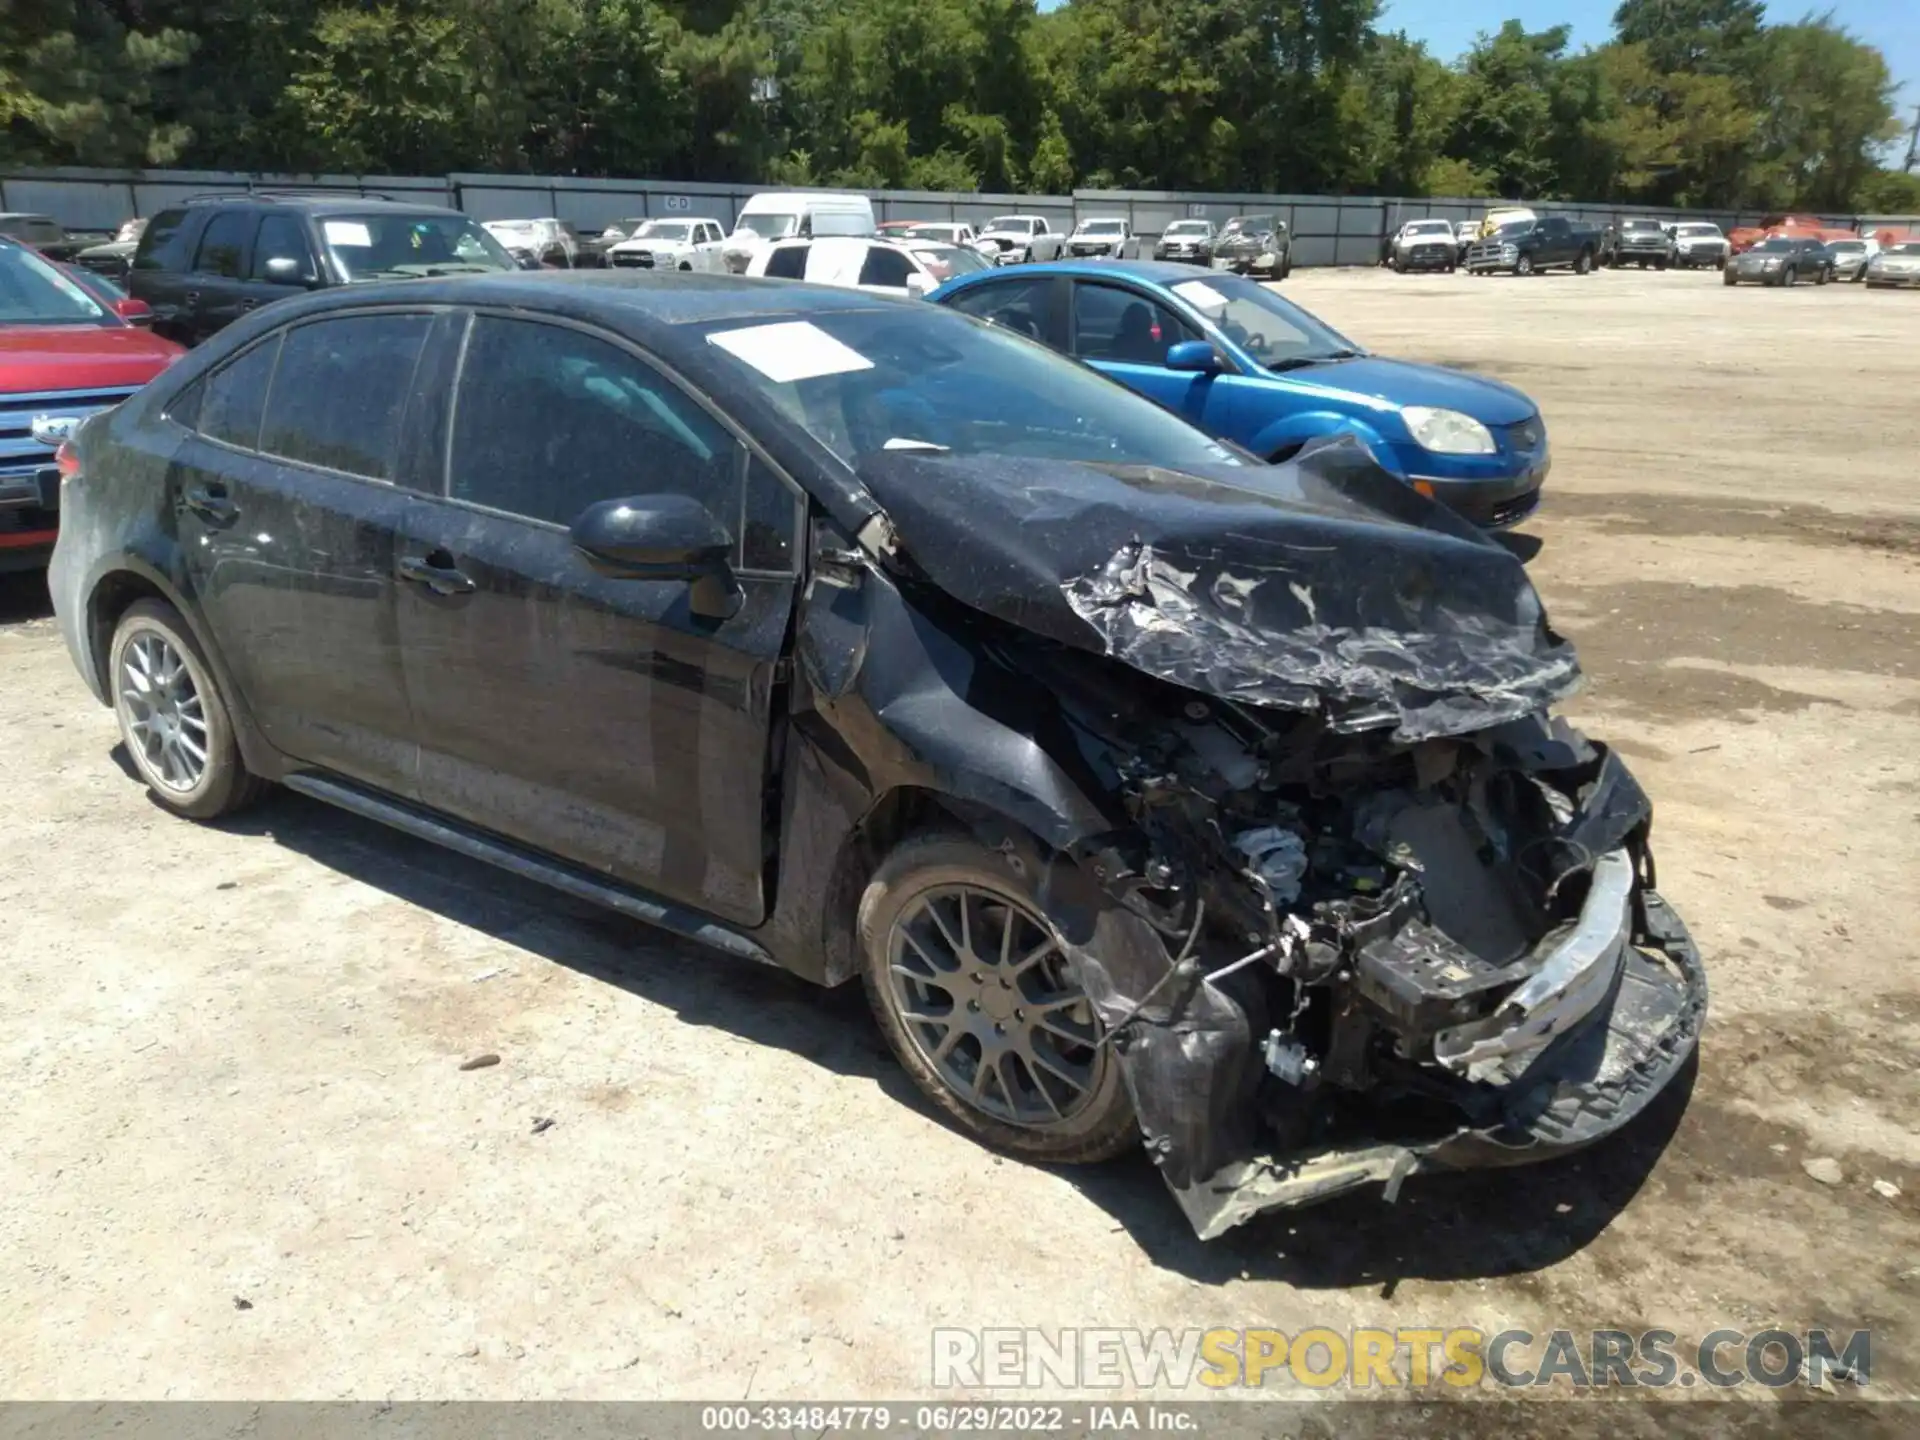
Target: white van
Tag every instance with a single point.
(779, 215)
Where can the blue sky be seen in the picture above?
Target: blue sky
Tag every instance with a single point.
(1449, 26)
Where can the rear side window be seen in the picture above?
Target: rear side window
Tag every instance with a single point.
(789, 262)
(159, 247)
(339, 392)
(234, 396)
(885, 267)
(223, 245)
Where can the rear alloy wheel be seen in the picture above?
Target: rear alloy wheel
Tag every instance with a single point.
(175, 724)
(983, 1006)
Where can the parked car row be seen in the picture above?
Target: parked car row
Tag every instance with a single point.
(1155, 793)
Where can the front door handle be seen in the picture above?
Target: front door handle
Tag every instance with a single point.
(248, 303)
(192, 297)
(210, 502)
(437, 572)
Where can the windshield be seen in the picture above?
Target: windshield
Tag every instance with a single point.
(1514, 227)
(1848, 247)
(1909, 248)
(931, 232)
(1280, 335)
(1188, 227)
(1706, 230)
(1103, 227)
(1778, 245)
(943, 262)
(381, 245)
(1430, 227)
(862, 382)
(1246, 225)
(1643, 225)
(34, 292)
(1013, 223)
(664, 230)
(767, 225)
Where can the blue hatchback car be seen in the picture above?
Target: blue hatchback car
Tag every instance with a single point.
(1247, 366)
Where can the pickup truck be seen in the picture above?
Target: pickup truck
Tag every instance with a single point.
(1018, 239)
(1524, 247)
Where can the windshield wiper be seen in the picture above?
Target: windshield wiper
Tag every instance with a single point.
(1296, 362)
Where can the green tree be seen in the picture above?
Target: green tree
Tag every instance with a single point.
(1829, 109)
(79, 85)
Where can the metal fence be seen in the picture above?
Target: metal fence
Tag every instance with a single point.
(1327, 229)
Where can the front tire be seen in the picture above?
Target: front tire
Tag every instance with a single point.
(175, 723)
(1584, 265)
(983, 1007)
(1523, 266)
(1788, 278)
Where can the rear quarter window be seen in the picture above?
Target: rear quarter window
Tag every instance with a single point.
(227, 405)
(162, 245)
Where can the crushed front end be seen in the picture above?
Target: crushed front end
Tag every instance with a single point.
(1356, 906)
(1370, 959)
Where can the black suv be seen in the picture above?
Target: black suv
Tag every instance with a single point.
(203, 264)
(1147, 788)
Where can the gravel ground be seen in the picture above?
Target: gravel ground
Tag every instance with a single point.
(242, 1160)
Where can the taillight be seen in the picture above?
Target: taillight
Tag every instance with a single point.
(67, 460)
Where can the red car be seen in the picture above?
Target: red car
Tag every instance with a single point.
(64, 355)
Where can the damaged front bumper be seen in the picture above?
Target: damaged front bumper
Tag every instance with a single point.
(1589, 1080)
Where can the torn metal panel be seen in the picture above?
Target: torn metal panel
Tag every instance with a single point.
(1323, 585)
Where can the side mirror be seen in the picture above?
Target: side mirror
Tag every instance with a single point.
(1198, 356)
(286, 270)
(134, 312)
(662, 537)
(919, 285)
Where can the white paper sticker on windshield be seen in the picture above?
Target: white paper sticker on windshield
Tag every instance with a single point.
(348, 232)
(792, 350)
(1200, 295)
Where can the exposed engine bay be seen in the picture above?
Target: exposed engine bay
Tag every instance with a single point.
(1385, 956)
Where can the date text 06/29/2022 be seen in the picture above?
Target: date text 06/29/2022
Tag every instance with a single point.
(948, 1419)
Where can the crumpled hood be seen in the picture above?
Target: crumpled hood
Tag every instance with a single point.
(1322, 585)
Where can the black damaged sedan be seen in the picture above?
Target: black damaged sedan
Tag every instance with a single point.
(1155, 797)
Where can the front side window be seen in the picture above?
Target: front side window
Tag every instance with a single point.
(1123, 326)
(549, 420)
(382, 245)
(223, 245)
(339, 391)
(281, 237)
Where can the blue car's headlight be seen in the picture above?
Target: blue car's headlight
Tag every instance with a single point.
(1448, 432)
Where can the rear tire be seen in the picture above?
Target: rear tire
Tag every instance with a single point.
(1727, 278)
(937, 888)
(173, 719)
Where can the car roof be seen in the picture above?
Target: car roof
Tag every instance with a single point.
(325, 204)
(1153, 272)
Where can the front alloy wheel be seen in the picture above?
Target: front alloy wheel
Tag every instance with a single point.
(1523, 266)
(984, 1007)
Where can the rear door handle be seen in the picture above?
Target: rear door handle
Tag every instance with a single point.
(437, 572)
(211, 502)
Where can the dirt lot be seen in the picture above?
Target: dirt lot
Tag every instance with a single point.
(240, 1158)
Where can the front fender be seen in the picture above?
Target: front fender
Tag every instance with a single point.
(1291, 431)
